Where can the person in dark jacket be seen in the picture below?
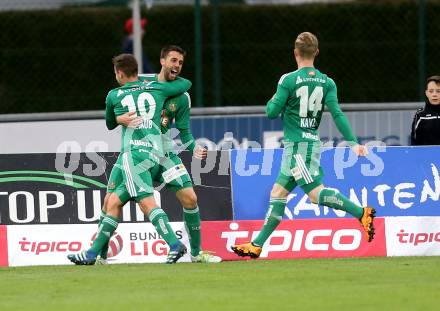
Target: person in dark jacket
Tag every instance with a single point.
(425, 128)
(127, 44)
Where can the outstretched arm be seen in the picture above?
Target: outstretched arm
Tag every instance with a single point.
(341, 121)
(182, 120)
(187, 139)
(176, 87)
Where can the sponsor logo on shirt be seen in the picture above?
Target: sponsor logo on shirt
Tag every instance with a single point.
(310, 136)
(137, 142)
(302, 80)
(134, 89)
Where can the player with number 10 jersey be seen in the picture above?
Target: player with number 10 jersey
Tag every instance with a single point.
(140, 154)
(141, 147)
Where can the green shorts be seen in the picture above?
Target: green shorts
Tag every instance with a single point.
(301, 166)
(172, 173)
(170, 170)
(131, 176)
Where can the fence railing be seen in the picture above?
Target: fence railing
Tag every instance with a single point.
(60, 59)
(200, 112)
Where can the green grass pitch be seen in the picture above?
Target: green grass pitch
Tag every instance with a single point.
(404, 283)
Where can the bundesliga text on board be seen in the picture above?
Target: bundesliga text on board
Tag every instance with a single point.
(49, 244)
(23, 245)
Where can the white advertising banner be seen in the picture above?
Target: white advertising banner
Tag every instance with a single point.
(412, 236)
(49, 244)
(65, 136)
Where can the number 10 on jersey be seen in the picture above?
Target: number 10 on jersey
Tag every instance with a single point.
(139, 107)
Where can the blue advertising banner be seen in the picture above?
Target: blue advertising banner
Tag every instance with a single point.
(397, 181)
(236, 132)
(243, 132)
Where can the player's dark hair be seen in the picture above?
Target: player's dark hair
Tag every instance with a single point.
(171, 48)
(127, 64)
(435, 79)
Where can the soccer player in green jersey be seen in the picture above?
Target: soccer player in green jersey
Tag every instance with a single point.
(177, 110)
(300, 99)
(140, 155)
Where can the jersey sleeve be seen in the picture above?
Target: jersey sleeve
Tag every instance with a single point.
(341, 121)
(176, 87)
(188, 139)
(182, 121)
(146, 77)
(183, 112)
(277, 103)
(110, 117)
(414, 141)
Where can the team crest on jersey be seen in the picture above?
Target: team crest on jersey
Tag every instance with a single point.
(165, 121)
(172, 106)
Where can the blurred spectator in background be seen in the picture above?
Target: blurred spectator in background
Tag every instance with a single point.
(426, 124)
(127, 44)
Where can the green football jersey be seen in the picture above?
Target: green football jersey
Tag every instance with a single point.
(301, 97)
(176, 111)
(147, 100)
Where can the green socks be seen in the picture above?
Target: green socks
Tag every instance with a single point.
(104, 249)
(101, 217)
(334, 199)
(191, 218)
(273, 218)
(327, 197)
(160, 221)
(105, 231)
(108, 224)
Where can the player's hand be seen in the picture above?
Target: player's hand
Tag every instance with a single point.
(200, 152)
(129, 119)
(360, 150)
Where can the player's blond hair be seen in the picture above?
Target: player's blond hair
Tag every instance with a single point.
(307, 45)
